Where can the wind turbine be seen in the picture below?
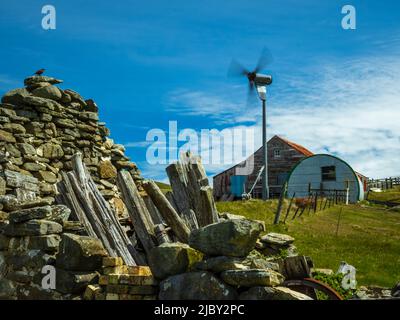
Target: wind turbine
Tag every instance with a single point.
(260, 82)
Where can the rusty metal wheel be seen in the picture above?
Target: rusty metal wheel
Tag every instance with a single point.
(309, 286)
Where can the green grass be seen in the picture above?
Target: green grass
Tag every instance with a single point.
(392, 195)
(368, 237)
(163, 186)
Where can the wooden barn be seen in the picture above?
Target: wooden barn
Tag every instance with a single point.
(282, 156)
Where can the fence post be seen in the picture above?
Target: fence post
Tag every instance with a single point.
(315, 202)
(280, 204)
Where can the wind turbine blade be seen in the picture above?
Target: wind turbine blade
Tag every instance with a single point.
(236, 69)
(264, 60)
(250, 94)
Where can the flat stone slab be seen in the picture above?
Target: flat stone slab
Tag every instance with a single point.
(29, 214)
(252, 277)
(36, 79)
(220, 264)
(18, 180)
(278, 239)
(32, 228)
(272, 293)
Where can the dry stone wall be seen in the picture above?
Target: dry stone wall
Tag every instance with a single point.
(41, 127)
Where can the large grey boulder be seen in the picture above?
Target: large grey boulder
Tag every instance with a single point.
(252, 277)
(235, 237)
(172, 258)
(48, 92)
(195, 286)
(15, 96)
(32, 228)
(272, 293)
(80, 253)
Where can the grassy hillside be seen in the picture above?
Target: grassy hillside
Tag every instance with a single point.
(391, 195)
(163, 186)
(368, 237)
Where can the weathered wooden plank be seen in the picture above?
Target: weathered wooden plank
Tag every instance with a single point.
(140, 216)
(178, 182)
(191, 191)
(155, 215)
(296, 268)
(171, 217)
(80, 193)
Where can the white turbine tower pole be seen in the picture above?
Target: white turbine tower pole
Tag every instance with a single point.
(262, 94)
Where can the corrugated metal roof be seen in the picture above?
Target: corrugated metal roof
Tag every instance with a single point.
(295, 146)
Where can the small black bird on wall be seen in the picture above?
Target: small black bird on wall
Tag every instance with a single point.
(39, 72)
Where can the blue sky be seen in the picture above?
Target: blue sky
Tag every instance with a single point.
(149, 62)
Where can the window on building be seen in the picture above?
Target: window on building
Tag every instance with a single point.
(277, 153)
(328, 173)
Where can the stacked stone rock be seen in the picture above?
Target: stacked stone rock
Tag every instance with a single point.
(78, 264)
(41, 127)
(219, 263)
(32, 238)
(28, 241)
(121, 282)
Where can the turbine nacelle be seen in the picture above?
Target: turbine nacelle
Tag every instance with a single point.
(259, 79)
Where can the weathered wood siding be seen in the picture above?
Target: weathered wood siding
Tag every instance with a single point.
(278, 167)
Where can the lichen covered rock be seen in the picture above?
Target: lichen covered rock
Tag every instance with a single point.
(235, 237)
(80, 253)
(252, 277)
(195, 286)
(172, 258)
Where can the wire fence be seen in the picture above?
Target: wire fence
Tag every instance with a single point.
(384, 184)
(317, 200)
